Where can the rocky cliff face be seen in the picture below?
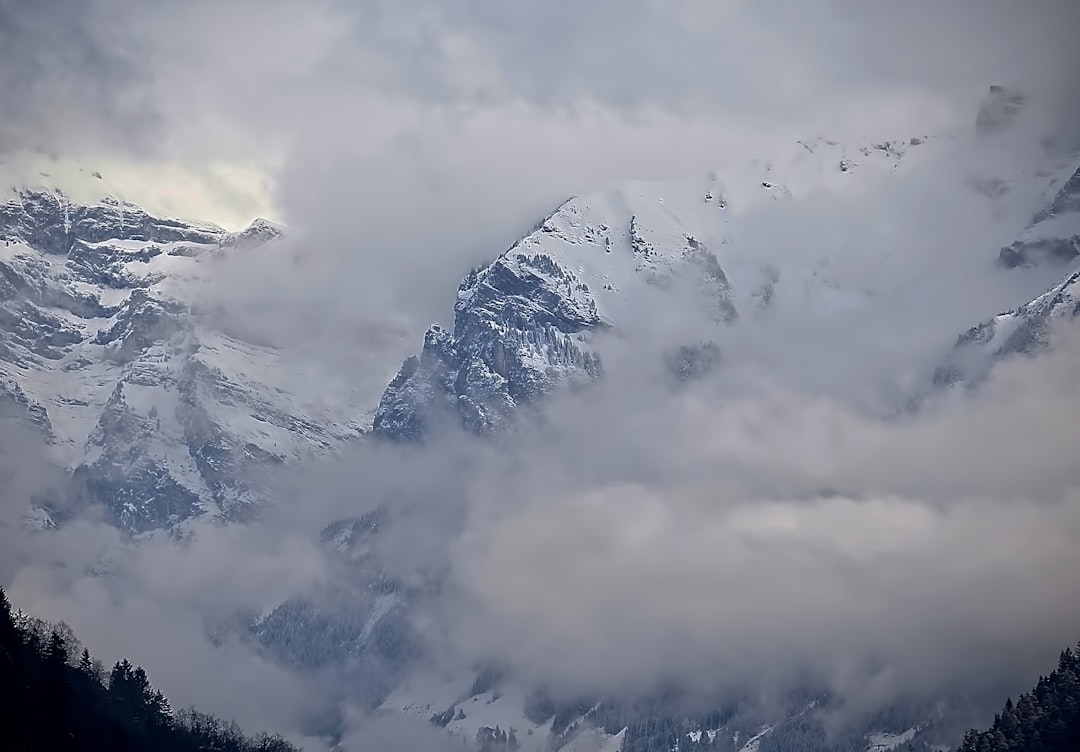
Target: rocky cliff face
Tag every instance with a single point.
(527, 322)
(1054, 234)
(158, 414)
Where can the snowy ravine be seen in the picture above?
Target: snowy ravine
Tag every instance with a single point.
(158, 413)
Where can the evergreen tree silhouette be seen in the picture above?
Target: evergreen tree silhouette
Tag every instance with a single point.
(47, 704)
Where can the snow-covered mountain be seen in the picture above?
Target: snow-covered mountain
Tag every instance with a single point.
(527, 321)
(159, 414)
(108, 347)
(747, 249)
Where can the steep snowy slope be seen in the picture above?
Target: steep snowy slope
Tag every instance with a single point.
(1021, 331)
(160, 415)
(1052, 242)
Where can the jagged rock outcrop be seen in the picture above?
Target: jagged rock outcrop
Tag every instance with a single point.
(999, 109)
(51, 223)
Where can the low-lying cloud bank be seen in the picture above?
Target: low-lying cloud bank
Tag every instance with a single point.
(778, 538)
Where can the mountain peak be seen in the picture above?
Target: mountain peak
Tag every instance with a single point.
(49, 221)
(260, 231)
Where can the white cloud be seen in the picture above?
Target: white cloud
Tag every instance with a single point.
(771, 539)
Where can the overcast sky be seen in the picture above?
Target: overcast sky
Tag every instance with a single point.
(463, 97)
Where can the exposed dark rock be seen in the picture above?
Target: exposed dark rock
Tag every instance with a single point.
(138, 491)
(1035, 252)
(49, 222)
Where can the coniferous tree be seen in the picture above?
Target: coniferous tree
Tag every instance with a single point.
(86, 663)
(54, 712)
(12, 677)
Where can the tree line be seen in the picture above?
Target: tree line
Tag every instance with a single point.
(1046, 719)
(55, 697)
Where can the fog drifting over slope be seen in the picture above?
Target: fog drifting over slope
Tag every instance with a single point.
(713, 536)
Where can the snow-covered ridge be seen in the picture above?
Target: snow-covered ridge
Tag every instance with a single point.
(527, 321)
(1021, 331)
